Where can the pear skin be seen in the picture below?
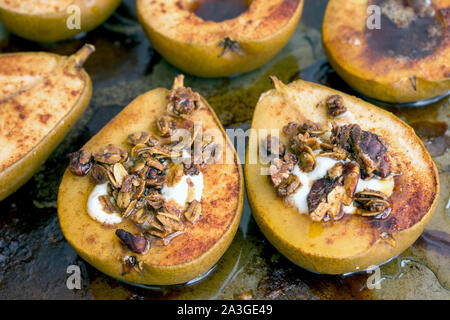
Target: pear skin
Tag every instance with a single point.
(42, 97)
(382, 76)
(210, 49)
(352, 243)
(55, 20)
(187, 255)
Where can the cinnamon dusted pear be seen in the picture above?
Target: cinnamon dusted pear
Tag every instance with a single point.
(162, 217)
(54, 20)
(396, 51)
(366, 193)
(206, 47)
(42, 96)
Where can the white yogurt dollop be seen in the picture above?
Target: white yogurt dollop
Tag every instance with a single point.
(299, 199)
(95, 208)
(180, 192)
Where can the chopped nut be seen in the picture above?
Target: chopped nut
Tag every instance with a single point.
(305, 139)
(182, 102)
(128, 183)
(307, 159)
(365, 147)
(313, 128)
(279, 171)
(335, 153)
(374, 202)
(175, 174)
(154, 199)
(336, 171)
(140, 216)
(136, 243)
(111, 154)
(193, 211)
(120, 173)
(130, 209)
(351, 176)
(123, 200)
(191, 169)
(107, 204)
(289, 186)
(170, 222)
(80, 162)
(157, 182)
(290, 159)
(99, 174)
(273, 146)
(335, 105)
(139, 165)
(325, 198)
(142, 137)
(164, 126)
(140, 150)
(161, 152)
(155, 163)
(291, 129)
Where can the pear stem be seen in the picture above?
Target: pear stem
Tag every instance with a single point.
(279, 86)
(81, 55)
(178, 82)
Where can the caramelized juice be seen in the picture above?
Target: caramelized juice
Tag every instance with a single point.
(219, 10)
(405, 31)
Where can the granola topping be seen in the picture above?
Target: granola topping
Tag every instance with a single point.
(329, 174)
(155, 183)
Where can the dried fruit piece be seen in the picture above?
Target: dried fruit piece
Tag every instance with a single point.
(135, 243)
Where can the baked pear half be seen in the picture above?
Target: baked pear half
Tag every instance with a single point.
(42, 96)
(390, 50)
(54, 20)
(154, 198)
(336, 184)
(207, 48)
